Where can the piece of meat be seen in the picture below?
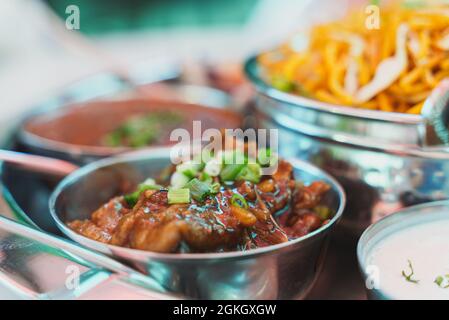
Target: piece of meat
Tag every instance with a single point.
(304, 224)
(210, 230)
(302, 219)
(122, 232)
(156, 226)
(268, 233)
(280, 195)
(150, 201)
(103, 221)
(308, 197)
(155, 235)
(273, 195)
(107, 216)
(88, 229)
(284, 171)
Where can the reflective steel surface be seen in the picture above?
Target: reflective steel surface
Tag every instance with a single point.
(41, 270)
(283, 271)
(406, 218)
(376, 156)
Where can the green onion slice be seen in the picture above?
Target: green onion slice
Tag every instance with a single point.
(205, 177)
(214, 188)
(178, 196)
(239, 201)
(251, 172)
(230, 171)
(132, 198)
(189, 169)
(198, 189)
(442, 281)
(266, 158)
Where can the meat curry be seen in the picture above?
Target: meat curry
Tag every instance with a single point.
(210, 207)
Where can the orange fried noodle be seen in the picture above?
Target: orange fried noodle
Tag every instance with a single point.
(393, 68)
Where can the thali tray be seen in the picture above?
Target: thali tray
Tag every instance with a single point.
(27, 195)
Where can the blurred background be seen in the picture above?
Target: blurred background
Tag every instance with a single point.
(39, 55)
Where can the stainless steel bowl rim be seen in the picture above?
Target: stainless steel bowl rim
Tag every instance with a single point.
(439, 153)
(53, 145)
(403, 212)
(325, 133)
(140, 254)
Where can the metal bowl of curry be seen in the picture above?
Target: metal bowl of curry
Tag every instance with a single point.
(192, 253)
(94, 129)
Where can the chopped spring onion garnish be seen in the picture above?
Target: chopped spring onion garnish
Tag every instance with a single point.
(141, 130)
(204, 156)
(205, 177)
(408, 277)
(178, 180)
(178, 196)
(283, 84)
(149, 182)
(132, 198)
(442, 281)
(239, 201)
(231, 157)
(213, 167)
(230, 171)
(198, 189)
(266, 158)
(188, 168)
(214, 188)
(251, 172)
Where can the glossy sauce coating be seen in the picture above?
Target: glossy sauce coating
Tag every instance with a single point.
(278, 209)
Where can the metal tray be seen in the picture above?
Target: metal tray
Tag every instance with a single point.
(27, 195)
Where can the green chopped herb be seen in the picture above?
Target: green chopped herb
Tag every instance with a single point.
(132, 198)
(178, 196)
(251, 172)
(141, 130)
(205, 177)
(230, 171)
(266, 158)
(283, 84)
(214, 188)
(234, 157)
(198, 189)
(189, 169)
(408, 277)
(440, 281)
(239, 201)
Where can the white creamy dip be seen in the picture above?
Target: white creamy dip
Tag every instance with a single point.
(427, 247)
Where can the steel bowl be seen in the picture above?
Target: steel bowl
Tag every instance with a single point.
(104, 114)
(406, 218)
(375, 155)
(283, 271)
